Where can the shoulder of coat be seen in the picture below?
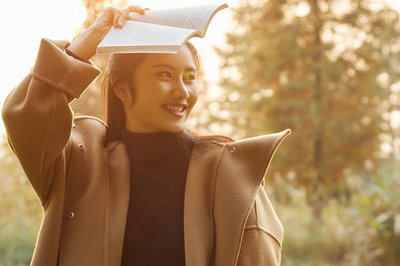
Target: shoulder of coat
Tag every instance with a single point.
(90, 126)
(256, 150)
(262, 138)
(264, 144)
(249, 158)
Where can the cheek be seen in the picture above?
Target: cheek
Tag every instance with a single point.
(149, 93)
(194, 96)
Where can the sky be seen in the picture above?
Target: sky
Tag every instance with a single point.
(25, 22)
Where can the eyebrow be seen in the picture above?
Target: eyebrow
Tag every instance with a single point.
(171, 67)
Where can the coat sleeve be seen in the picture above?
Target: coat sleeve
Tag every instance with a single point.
(263, 235)
(37, 115)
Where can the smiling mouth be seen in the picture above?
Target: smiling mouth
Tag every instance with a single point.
(177, 109)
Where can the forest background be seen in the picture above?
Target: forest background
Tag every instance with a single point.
(327, 69)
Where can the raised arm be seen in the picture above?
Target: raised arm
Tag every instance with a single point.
(84, 46)
(36, 113)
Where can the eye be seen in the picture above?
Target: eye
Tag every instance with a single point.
(189, 77)
(165, 74)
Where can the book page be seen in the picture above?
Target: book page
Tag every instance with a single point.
(144, 34)
(197, 17)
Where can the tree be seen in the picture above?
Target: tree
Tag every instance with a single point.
(387, 49)
(309, 65)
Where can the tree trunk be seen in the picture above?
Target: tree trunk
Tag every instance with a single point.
(319, 118)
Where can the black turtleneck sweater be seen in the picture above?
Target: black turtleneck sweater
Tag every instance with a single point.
(154, 226)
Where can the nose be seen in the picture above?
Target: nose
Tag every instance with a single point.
(180, 90)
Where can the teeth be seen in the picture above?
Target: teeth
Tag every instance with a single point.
(174, 108)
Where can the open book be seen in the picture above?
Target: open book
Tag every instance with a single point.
(159, 31)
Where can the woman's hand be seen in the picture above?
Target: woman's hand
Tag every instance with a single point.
(111, 16)
(85, 45)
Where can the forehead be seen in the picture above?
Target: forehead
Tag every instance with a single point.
(184, 59)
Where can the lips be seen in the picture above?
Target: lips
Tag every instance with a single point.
(177, 109)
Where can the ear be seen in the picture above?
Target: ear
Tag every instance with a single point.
(123, 92)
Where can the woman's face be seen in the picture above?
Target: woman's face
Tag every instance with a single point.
(165, 92)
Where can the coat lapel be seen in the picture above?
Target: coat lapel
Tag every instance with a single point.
(198, 205)
(117, 201)
(221, 186)
(239, 175)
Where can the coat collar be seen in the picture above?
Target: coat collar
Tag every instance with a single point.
(221, 187)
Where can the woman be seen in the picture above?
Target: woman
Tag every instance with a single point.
(141, 190)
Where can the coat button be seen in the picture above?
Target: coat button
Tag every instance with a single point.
(232, 149)
(71, 215)
(81, 147)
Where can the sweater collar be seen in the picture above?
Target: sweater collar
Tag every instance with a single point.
(154, 146)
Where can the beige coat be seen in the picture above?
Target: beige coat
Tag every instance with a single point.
(84, 186)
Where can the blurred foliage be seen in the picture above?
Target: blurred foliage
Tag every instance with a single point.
(324, 68)
(362, 231)
(20, 211)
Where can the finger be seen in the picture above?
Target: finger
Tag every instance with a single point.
(105, 19)
(117, 15)
(108, 10)
(137, 9)
(122, 19)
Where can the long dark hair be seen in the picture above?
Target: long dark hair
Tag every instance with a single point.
(120, 70)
